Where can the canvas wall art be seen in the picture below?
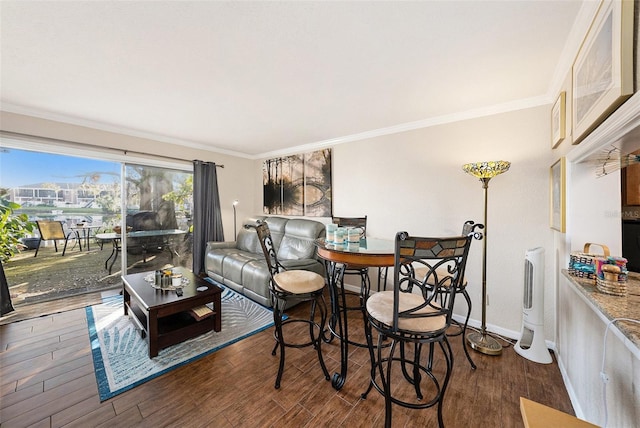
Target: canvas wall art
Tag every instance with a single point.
(298, 185)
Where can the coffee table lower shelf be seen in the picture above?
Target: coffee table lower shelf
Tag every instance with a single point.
(171, 329)
(165, 318)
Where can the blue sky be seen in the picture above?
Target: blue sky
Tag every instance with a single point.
(21, 167)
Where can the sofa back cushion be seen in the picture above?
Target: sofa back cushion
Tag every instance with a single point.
(298, 240)
(293, 238)
(247, 239)
(277, 228)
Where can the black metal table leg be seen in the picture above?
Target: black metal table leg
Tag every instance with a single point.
(335, 274)
(114, 254)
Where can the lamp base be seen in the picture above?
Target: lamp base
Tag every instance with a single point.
(484, 343)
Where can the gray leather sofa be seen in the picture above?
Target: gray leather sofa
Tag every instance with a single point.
(240, 264)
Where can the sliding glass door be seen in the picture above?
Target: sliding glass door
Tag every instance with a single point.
(78, 196)
(92, 199)
(158, 212)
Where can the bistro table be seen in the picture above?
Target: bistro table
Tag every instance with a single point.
(369, 252)
(116, 238)
(84, 229)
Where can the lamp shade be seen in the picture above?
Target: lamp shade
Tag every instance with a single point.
(487, 169)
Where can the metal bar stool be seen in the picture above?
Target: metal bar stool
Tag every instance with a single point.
(417, 312)
(290, 287)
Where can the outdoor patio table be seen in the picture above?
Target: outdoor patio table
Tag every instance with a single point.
(84, 230)
(115, 239)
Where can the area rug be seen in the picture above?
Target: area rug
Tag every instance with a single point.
(121, 357)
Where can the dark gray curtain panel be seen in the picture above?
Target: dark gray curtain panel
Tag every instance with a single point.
(207, 218)
(5, 297)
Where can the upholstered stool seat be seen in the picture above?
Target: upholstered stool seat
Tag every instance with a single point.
(380, 307)
(299, 281)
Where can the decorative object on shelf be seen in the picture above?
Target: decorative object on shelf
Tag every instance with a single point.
(167, 284)
(558, 120)
(235, 232)
(557, 191)
(603, 69)
(485, 171)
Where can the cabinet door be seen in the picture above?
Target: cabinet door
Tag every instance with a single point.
(631, 185)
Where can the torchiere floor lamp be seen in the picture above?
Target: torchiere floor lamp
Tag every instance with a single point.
(485, 171)
(235, 204)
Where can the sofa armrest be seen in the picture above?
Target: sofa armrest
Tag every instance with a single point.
(211, 245)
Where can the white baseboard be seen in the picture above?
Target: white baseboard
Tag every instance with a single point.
(567, 384)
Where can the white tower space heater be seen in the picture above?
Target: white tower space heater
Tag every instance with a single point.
(532, 345)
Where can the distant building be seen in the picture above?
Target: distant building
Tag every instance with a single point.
(71, 195)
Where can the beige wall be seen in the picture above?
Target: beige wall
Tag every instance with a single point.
(414, 181)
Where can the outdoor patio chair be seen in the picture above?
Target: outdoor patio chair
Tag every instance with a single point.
(144, 220)
(51, 230)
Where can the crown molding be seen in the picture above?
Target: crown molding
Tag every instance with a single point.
(410, 126)
(71, 120)
(395, 129)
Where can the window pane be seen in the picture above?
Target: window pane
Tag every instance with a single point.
(158, 212)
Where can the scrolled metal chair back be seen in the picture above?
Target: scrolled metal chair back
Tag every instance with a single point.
(442, 262)
(269, 250)
(469, 227)
(352, 222)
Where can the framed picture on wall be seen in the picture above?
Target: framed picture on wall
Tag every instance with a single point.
(603, 69)
(558, 120)
(298, 185)
(557, 182)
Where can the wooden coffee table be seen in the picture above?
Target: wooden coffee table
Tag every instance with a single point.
(164, 317)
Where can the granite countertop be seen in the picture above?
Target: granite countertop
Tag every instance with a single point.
(613, 307)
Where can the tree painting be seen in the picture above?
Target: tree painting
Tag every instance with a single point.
(298, 185)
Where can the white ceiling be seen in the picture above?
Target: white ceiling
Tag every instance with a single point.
(258, 78)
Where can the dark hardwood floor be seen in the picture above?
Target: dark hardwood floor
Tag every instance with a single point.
(47, 380)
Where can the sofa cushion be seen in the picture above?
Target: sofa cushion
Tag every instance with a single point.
(214, 258)
(232, 265)
(247, 239)
(256, 278)
(299, 238)
(277, 227)
(241, 265)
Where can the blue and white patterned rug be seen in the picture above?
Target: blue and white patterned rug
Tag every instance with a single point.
(121, 357)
